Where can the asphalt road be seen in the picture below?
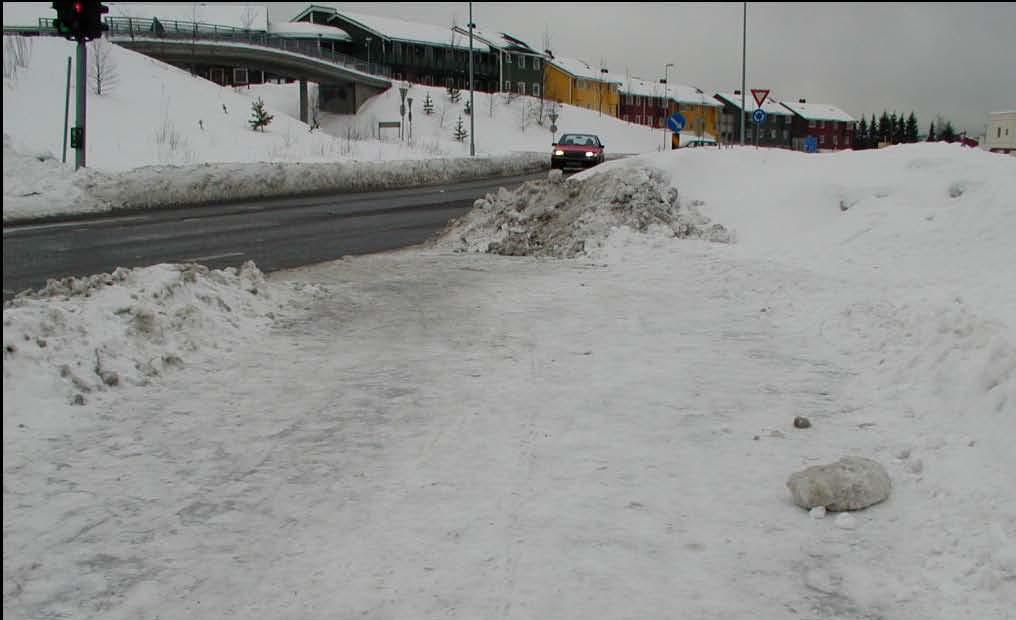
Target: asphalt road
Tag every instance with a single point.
(275, 234)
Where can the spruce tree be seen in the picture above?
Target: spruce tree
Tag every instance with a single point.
(900, 135)
(428, 105)
(861, 135)
(884, 129)
(460, 131)
(454, 94)
(949, 134)
(931, 133)
(893, 127)
(873, 133)
(260, 117)
(469, 107)
(911, 130)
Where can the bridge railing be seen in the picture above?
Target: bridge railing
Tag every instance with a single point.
(137, 28)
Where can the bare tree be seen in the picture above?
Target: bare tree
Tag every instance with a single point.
(248, 16)
(17, 54)
(102, 72)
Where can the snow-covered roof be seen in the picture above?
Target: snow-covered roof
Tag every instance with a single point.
(581, 69)
(683, 93)
(501, 40)
(818, 112)
(632, 85)
(400, 30)
(245, 16)
(770, 105)
(309, 30)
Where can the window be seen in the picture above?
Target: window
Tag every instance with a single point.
(508, 58)
(239, 75)
(536, 63)
(507, 86)
(999, 134)
(522, 61)
(811, 124)
(536, 89)
(522, 88)
(772, 134)
(836, 140)
(821, 139)
(786, 136)
(786, 120)
(846, 140)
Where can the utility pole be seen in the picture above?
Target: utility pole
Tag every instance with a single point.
(744, 62)
(472, 105)
(666, 101)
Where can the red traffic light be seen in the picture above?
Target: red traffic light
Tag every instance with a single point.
(79, 8)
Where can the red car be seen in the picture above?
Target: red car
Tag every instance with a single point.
(577, 150)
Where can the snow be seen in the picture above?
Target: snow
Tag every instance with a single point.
(770, 105)
(582, 69)
(191, 138)
(818, 112)
(305, 29)
(415, 32)
(427, 433)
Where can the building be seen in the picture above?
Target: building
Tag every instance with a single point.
(775, 131)
(574, 82)
(831, 126)
(701, 112)
(1001, 136)
(519, 66)
(420, 53)
(641, 101)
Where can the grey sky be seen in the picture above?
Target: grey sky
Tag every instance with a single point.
(956, 60)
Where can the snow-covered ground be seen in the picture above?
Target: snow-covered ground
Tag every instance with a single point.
(437, 432)
(159, 136)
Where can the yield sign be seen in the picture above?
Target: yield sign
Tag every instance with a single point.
(759, 95)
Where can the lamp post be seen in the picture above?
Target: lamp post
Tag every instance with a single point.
(472, 106)
(603, 71)
(666, 100)
(403, 89)
(744, 56)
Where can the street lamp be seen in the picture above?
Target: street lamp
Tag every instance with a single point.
(472, 105)
(666, 100)
(603, 70)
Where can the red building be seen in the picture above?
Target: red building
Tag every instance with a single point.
(642, 102)
(831, 126)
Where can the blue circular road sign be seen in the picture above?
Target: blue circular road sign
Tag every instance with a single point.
(676, 122)
(759, 116)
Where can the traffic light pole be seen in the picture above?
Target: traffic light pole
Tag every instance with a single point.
(80, 89)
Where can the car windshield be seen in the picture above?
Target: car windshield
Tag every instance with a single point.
(579, 140)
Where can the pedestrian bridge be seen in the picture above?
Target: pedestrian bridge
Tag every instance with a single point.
(345, 82)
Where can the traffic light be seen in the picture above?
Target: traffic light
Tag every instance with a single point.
(80, 20)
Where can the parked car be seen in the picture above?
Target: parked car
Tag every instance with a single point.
(577, 150)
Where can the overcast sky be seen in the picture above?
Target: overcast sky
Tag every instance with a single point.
(957, 60)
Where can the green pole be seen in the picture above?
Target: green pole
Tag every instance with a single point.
(79, 121)
(67, 108)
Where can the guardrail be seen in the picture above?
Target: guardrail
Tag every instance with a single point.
(175, 30)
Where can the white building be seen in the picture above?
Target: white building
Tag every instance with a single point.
(1001, 136)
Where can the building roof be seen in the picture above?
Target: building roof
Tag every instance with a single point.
(581, 69)
(680, 93)
(770, 106)
(499, 40)
(308, 30)
(818, 112)
(400, 30)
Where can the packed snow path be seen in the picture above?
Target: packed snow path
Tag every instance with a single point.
(485, 437)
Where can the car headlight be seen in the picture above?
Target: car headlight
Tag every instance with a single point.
(559, 153)
(590, 154)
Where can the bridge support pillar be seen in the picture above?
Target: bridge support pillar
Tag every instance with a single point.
(304, 104)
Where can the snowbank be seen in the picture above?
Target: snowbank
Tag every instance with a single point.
(44, 189)
(80, 335)
(565, 218)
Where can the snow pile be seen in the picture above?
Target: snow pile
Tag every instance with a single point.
(130, 326)
(565, 218)
(59, 191)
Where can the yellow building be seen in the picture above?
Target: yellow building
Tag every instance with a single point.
(576, 83)
(701, 111)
